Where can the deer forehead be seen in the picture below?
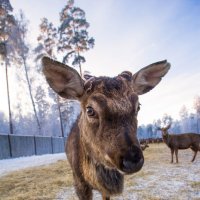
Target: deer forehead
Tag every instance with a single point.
(121, 104)
(115, 103)
(113, 94)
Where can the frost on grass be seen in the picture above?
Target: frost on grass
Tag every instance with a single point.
(158, 179)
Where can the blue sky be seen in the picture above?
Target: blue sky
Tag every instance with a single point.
(130, 34)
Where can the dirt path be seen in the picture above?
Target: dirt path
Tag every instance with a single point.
(158, 179)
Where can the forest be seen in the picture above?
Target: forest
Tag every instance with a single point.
(37, 110)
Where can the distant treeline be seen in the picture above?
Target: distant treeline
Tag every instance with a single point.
(70, 111)
(26, 125)
(187, 123)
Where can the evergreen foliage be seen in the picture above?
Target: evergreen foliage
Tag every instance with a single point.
(7, 46)
(47, 40)
(73, 35)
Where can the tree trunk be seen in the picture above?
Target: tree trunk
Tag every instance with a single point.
(80, 68)
(31, 96)
(59, 111)
(8, 95)
(79, 64)
(198, 123)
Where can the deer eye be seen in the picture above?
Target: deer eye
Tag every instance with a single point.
(90, 111)
(138, 108)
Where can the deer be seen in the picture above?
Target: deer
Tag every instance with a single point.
(180, 141)
(144, 146)
(102, 146)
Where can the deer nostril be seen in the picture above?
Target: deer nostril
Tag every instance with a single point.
(132, 161)
(127, 164)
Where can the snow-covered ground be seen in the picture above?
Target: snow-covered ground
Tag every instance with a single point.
(158, 179)
(9, 165)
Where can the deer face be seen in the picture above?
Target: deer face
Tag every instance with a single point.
(164, 131)
(108, 121)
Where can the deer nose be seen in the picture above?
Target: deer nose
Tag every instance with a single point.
(132, 161)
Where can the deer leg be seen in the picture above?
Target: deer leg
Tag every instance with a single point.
(176, 152)
(83, 190)
(195, 153)
(172, 155)
(105, 197)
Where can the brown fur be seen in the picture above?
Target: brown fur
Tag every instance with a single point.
(181, 141)
(103, 144)
(95, 169)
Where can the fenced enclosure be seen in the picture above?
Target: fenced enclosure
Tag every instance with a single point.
(13, 146)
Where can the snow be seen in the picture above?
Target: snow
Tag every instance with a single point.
(9, 165)
(158, 179)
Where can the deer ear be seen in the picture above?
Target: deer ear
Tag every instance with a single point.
(63, 79)
(148, 77)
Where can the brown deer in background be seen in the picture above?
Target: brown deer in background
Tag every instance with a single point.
(144, 146)
(181, 141)
(103, 146)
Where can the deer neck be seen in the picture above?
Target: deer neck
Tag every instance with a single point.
(166, 138)
(106, 180)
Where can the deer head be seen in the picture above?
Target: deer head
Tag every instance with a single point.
(164, 130)
(109, 108)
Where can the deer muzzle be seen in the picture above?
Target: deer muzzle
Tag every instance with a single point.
(132, 161)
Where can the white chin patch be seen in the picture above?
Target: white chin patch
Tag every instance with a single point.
(121, 172)
(108, 159)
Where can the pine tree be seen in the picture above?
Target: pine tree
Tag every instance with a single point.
(183, 113)
(197, 109)
(5, 4)
(47, 41)
(43, 106)
(7, 24)
(73, 34)
(22, 51)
